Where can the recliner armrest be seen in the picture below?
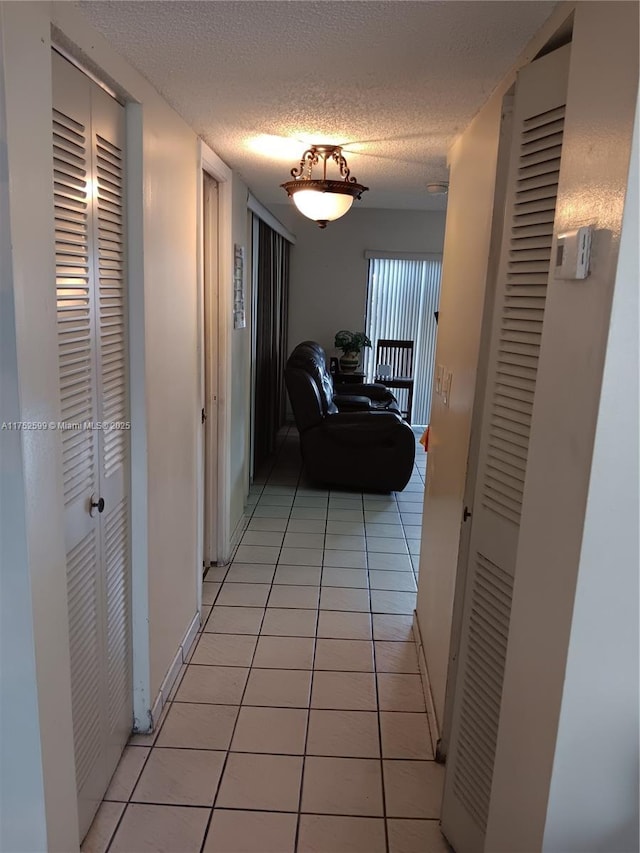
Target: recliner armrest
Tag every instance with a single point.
(352, 402)
(374, 391)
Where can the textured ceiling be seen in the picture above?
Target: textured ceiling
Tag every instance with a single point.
(393, 82)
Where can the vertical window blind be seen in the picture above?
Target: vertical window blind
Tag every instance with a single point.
(402, 297)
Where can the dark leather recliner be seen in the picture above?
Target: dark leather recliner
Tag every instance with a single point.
(358, 441)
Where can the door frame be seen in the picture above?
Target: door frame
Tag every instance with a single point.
(217, 329)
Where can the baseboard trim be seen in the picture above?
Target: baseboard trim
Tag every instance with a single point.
(174, 670)
(426, 685)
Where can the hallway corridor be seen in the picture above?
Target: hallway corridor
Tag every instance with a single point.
(299, 722)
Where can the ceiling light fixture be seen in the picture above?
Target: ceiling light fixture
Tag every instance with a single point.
(322, 200)
(438, 188)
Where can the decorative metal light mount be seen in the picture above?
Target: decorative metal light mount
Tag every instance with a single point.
(323, 200)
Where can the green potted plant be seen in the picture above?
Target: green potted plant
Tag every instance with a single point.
(351, 343)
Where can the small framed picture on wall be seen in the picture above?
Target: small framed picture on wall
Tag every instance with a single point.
(239, 317)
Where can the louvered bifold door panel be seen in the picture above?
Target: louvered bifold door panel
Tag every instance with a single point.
(499, 501)
(108, 135)
(78, 403)
(88, 173)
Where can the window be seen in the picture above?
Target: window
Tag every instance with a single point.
(402, 298)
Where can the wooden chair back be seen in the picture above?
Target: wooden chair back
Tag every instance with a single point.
(398, 354)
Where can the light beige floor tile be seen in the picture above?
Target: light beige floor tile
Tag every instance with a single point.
(413, 518)
(405, 735)
(353, 578)
(350, 691)
(127, 772)
(278, 688)
(340, 514)
(345, 502)
(224, 650)
(266, 511)
(251, 832)
(343, 542)
(205, 612)
(348, 734)
(390, 562)
(301, 556)
(312, 492)
(298, 575)
(269, 782)
(221, 685)
(216, 574)
(391, 531)
(278, 525)
(340, 625)
(388, 626)
(334, 834)
(276, 489)
(346, 528)
(344, 655)
(234, 620)
(392, 602)
(345, 559)
(306, 525)
(209, 592)
(392, 581)
(103, 826)
(386, 545)
(311, 500)
(309, 512)
(413, 531)
(400, 692)
(272, 730)
(303, 597)
(263, 537)
(381, 516)
(244, 595)
(413, 788)
(303, 540)
(347, 786)
(191, 726)
(250, 573)
(289, 622)
(416, 836)
(160, 829)
(284, 653)
(180, 777)
(396, 657)
(257, 554)
(341, 598)
(275, 500)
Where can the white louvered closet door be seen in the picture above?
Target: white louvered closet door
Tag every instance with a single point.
(88, 142)
(511, 383)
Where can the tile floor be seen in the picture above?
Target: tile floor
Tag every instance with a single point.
(298, 723)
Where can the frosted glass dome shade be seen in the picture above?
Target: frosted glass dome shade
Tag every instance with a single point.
(322, 206)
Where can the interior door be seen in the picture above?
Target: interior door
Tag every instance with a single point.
(498, 503)
(210, 421)
(88, 164)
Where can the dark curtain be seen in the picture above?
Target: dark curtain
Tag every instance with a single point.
(271, 339)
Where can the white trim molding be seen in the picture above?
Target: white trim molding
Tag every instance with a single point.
(168, 682)
(263, 213)
(426, 686)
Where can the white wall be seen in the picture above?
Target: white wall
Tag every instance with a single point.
(164, 172)
(329, 271)
(556, 543)
(35, 634)
(598, 811)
